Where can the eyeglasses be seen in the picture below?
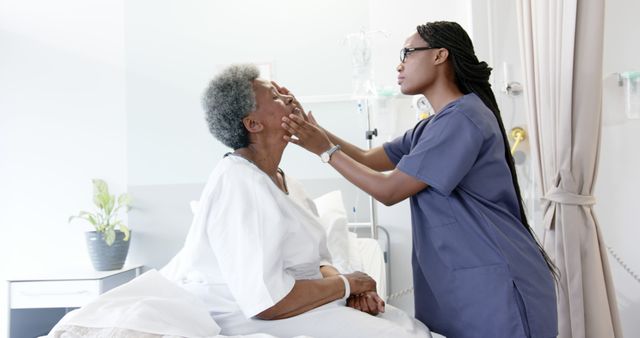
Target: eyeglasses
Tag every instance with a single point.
(406, 51)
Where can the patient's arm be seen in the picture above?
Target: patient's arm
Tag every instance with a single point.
(309, 294)
(369, 302)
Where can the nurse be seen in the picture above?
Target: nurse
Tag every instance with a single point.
(478, 270)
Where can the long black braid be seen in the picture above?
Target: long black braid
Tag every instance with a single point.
(472, 76)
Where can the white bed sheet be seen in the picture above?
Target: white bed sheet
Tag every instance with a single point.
(149, 306)
(73, 331)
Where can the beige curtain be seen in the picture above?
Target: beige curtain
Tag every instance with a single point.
(561, 44)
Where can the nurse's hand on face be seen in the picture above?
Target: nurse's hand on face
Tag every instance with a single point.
(301, 122)
(369, 302)
(306, 134)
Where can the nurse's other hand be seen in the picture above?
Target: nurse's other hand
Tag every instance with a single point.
(369, 302)
(360, 282)
(305, 134)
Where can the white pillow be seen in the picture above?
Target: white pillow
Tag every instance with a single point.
(333, 218)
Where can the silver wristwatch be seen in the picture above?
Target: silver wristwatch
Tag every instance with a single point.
(326, 156)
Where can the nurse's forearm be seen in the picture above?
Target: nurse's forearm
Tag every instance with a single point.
(305, 295)
(387, 188)
(375, 158)
(350, 149)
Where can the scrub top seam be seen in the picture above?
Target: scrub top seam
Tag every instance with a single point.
(438, 185)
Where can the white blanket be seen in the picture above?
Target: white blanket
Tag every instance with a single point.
(148, 306)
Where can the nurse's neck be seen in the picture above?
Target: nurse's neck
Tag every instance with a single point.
(441, 93)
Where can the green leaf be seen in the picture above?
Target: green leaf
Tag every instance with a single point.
(103, 201)
(110, 236)
(124, 229)
(124, 200)
(100, 218)
(100, 189)
(92, 220)
(109, 204)
(87, 216)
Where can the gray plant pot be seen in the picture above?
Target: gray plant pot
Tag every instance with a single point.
(104, 257)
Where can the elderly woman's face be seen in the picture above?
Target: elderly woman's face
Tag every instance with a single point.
(271, 106)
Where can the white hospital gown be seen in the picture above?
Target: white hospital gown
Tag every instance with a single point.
(248, 244)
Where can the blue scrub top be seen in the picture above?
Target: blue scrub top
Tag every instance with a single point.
(477, 271)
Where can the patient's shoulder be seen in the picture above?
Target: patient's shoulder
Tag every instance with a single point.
(234, 168)
(234, 174)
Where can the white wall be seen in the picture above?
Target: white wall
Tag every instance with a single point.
(62, 123)
(618, 179)
(399, 20)
(168, 68)
(172, 54)
(496, 42)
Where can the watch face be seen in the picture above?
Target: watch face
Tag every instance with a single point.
(325, 157)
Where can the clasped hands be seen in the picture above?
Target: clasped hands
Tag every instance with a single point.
(363, 294)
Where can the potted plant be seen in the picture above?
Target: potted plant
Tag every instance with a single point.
(107, 246)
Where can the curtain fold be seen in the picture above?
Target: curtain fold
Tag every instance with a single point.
(561, 47)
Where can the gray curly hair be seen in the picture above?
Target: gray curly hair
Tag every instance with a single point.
(227, 100)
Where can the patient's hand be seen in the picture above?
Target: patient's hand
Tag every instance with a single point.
(369, 302)
(360, 282)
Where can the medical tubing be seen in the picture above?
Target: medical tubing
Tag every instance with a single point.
(624, 265)
(400, 293)
(347, 288)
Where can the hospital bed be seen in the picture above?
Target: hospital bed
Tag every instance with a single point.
(162, 216)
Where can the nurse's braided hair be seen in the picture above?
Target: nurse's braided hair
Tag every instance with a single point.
(472, 76)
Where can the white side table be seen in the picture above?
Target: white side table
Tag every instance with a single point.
(37, 301)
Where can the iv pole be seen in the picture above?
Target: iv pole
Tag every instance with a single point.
(369, 135)
(364, 90)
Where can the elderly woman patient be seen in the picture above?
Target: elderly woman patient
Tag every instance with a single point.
(256, 254)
